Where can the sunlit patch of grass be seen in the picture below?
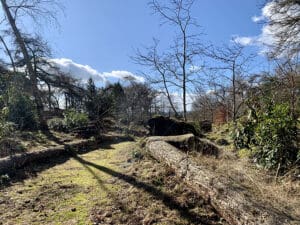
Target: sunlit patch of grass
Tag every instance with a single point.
(63, 194)
(244, 153)
(222, 132)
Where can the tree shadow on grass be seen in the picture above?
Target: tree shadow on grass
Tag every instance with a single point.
(32, 168)
(167, 199)
(52, 137)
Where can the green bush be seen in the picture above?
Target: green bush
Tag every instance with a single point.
(271, 135)
(243, 136)
(73, 119)
(276, 136)
(57, 124)
(4, 179)
(21, 111)
(6, 129)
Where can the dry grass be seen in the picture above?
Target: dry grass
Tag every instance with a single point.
(259, 184)
(283, 194)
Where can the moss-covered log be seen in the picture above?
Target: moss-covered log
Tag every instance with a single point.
(7, 164)
(234, 204)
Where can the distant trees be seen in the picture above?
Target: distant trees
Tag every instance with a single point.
(91, 102)
(174, 68)
(229, 80)
(287, 73)
(129, 103)
(139, 99)
(204, 106)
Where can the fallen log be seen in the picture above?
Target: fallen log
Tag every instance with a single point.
(233, 203)
(9, 163)
(189, 142)
(184, 142)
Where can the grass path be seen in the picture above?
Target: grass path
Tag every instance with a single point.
(105, 186)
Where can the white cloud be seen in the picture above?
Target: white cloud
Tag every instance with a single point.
(195, 69)
(257, 19)
(245, 41)
(84, 72)
(124, 75)
(210, 92)
(78, 71)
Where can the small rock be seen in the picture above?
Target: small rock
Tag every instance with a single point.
(107, 214)
(222, 141)
(134, 174)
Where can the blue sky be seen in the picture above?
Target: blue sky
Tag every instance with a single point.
(104, 33)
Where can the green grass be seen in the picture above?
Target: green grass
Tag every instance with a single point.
(64, 194)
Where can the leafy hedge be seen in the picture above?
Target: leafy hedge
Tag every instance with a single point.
(271, 135)
(74, 119)
(21, 111)
(57, 124)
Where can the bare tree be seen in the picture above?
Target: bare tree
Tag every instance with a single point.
(8, 52)
(204, 105)
(174, 69)
(234, 66)
(288, 73)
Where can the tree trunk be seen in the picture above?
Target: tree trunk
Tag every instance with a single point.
(232, 202)
(9, 54)
(169, 97)
(234, 96)
(33, 77)
(184, 74)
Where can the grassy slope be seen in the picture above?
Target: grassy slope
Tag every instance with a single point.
(105, 186)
